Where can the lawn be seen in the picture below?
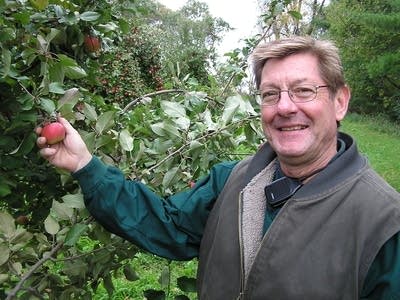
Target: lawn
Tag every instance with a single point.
(379, 140)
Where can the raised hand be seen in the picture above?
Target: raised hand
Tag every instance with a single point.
(70, 154)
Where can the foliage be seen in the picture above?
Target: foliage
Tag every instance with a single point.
(188, 41)
(368, 33)
(162, 137)
(282, 18)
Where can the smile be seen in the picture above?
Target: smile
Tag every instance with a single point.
(298, 127)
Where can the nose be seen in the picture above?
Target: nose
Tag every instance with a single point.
(285, 104)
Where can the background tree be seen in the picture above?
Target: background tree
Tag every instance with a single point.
(368, 34)
(280, 18)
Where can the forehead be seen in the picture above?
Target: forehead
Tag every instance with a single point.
(295, 68)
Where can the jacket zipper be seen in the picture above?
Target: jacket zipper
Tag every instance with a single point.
(242, 279)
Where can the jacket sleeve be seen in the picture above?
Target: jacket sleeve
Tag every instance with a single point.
(170, 227)
(383, 278)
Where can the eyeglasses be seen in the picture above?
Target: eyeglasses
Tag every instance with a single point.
(298, 94)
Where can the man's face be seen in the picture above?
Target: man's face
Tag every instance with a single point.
(302, 134)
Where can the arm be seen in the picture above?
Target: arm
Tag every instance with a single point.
(171, 227)
(383, 278)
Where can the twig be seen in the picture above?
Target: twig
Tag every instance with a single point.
(133, 102)
(208, 134)
(14, 291)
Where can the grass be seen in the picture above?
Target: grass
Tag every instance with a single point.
(379, 140)
(149, 269)
(376, 137)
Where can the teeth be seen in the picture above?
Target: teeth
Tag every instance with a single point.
(292, 128)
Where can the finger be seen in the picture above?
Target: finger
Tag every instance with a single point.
(67, 125)
(38, 130)
(41, 142)
(47, 152)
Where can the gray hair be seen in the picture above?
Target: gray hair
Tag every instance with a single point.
(330, 66)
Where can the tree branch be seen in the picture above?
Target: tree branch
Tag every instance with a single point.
(207, 135)
(135, 101)
(13, 293)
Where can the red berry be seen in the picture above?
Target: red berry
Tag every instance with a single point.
(53, 132)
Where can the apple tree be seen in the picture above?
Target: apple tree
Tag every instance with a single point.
(57, 58)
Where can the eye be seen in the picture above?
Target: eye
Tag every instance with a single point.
(303, 91)
(269, 94)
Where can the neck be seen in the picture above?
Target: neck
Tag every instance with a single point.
(306, 169)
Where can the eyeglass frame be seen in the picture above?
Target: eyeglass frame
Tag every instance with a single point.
(290, 94)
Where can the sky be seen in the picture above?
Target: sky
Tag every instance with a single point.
(241, 15)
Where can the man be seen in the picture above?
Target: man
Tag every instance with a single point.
(304, 218)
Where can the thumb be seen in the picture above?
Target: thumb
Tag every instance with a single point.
(67, 125)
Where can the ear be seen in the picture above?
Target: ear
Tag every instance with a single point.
(342, 99)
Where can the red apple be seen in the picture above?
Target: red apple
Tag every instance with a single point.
(92, 43)
(53, 132)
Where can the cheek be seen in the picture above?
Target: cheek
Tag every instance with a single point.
(266, 116)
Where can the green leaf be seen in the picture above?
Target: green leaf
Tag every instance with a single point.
(295, 14)
(110, 26)
(183, 123)
(21, 236)
(56, 88)
(158, 129)
(4, 189)
(89, 16)
(195, 145)
(108, 284)
(171, 130)
(74, 72)
(105, 121)
(232, 105)
(89, 112)
(74, 201)
(6, 59)
(126, 140)
(43, 44)
(74, 233)
(29, 55)
(67, 61)
(173, 109)
(22, 17)
(52, 34)
(169, 176)
(47, 105)
(61, 211)
(130, 273)
(4, 254)
(207, 119)
(67, 102)
(7, 34)
(26, 145)
(70, 96)
(7, 224)
(181, 297)
(39, 4)
(154, 295)
(3, 277)
(187, 284)
(165, 277)
(51, 225)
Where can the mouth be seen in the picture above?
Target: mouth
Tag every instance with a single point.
(293, 128)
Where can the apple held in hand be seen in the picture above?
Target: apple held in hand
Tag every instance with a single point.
(53, 132)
